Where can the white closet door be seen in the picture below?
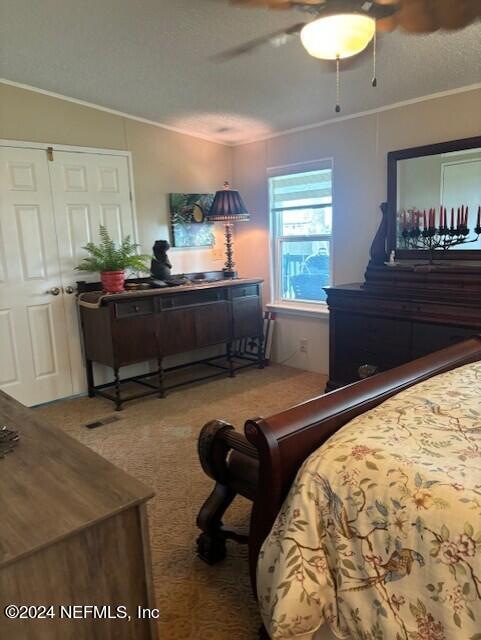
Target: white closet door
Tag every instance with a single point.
(89, 189)
(34, 356)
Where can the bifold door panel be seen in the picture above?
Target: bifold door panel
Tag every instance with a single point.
(88, 190)
(34, 361)
(48, 211)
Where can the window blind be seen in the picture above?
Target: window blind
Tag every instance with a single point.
(302, 189)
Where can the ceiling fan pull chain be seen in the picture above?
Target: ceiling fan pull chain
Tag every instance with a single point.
(374, 60)
(338, 87)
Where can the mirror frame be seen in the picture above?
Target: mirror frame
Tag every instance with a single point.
(417, 152)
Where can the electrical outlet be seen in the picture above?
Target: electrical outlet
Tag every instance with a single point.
(303, 345)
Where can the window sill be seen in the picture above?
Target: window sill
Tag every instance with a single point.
(320, 310)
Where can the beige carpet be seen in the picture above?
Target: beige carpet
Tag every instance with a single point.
(155, 440)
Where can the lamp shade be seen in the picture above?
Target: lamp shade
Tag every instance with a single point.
(228, 206)
(338, 36)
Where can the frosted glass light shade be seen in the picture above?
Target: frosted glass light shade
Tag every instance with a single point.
(338, 36)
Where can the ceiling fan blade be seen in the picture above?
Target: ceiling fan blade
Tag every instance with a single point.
(251, 45)
(269, 4)
(426, 16)
(456, 14)
(386, 25)
(375, 8)
(278, 4)
(414, 16)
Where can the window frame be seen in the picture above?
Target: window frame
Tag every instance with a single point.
(277, 240)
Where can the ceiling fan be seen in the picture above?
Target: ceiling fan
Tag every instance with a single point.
(340, 29)
(414, 16)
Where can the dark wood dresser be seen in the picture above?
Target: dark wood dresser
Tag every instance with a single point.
(149, 325)
(421, 292)
(73, 532)
(399, 314)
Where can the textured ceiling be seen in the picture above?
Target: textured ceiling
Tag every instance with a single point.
(151, 59)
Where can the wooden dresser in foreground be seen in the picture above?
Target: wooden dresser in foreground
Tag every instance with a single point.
(73, 531)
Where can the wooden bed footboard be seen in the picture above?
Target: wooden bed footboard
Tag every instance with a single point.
(277, 446)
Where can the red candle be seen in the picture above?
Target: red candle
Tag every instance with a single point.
(424, 218)
(466, 216)
(458, 217)
(404, 220)
(452, 217)
(478, 224)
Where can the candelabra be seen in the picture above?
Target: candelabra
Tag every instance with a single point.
(430, 237)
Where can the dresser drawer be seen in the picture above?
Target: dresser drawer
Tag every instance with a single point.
(360, 340)
(386, 333)
(428, 338)
(190, 298)
(369, 305)
(244, 291)
(345, 367)
(354, 329)
(128, 308)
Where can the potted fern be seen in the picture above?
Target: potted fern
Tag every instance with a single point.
(112, 261)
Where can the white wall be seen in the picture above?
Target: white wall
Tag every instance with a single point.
(163, 161)
(359, 148)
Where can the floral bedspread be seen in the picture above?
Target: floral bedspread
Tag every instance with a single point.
(380, 535)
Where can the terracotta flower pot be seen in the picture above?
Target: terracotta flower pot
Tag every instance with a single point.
(112, 281)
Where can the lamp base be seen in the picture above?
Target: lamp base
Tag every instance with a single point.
(228, 269)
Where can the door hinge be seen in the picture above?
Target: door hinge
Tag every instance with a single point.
(50, 154)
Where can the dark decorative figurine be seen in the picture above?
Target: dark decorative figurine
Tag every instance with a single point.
(160, 266)
(378, 251)
(8, 440)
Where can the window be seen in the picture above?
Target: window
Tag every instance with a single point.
(301, 228)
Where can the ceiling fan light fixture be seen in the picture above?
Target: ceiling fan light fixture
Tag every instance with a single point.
(338, 36)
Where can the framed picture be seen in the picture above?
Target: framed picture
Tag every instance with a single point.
(187, 219)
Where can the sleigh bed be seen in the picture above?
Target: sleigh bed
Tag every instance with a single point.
(381, 528)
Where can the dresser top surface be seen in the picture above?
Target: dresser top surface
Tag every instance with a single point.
(447, 296)
(52, 485)
(97, 297)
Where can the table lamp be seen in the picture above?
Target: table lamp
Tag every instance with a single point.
(228, 207)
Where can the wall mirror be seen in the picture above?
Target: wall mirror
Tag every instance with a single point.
(434, 201)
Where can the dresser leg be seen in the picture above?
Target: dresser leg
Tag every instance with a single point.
(90, 378)
(260, 355)
(118, 399)
(230, 360)
(161, 379)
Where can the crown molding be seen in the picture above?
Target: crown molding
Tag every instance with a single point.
(92, 105)
(277, 134)
(361, 114)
